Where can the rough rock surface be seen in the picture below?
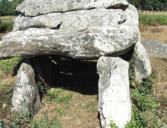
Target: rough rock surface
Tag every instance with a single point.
(114, 96)
(75, 20)
(38, 7)
(25, 98)
(141, 62)
(86, 44)
(132, 17)
(155, 48)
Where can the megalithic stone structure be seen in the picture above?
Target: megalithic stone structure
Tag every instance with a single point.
(81, 30)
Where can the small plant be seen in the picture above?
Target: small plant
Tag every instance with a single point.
(42, 88)
(21, 119)
(113, 125)
(1, 87)
(60, 111)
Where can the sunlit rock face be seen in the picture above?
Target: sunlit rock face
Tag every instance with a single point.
(79, 29)
(25, 98)
(114, 97)
(82, 30)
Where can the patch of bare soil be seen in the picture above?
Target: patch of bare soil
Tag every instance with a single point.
(159, 67)
(154, 33)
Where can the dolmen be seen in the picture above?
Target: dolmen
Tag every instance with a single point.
(103, 30)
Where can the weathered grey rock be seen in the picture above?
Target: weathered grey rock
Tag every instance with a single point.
(25, 94)
(114, 96)
(155, 48)
(76, 20)
(132, 17)
(141, 63)
(86, 44)
(38, 7)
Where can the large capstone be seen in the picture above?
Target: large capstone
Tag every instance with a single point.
(114, 97)
(90, 43)
(25, 98)
(38, 7)
(75, 20)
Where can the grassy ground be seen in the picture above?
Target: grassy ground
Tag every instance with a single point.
(66, 107)
(153, 18)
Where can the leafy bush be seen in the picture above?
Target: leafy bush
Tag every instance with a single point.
(157, 5)
(143, 102)
(8, 7)
(6, 26)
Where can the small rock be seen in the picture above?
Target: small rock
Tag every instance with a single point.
(155, 48)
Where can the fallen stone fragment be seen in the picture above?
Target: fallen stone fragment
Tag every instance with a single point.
(76, 20)
(87, 44)
(141, 63)
(39, 7)
(25, 98)
(114, 97)
(155, 48)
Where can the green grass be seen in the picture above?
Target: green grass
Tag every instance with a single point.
(45, 122)
(6, 66)
(57, 95)
(6, 26)
(153, 19)
(1, 87)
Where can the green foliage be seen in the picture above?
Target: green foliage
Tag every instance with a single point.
(138, 119)
(2, 124)
(143, 102)
(8, 7)
(6, 66)
(1, 87)
(157, 5)
(60, 112)
(18, 121)
(152, 19)
(45, 122)
(6, 26)
(41, 87)
(21, 119)
(113, 125)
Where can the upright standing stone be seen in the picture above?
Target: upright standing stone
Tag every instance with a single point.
(141, 63)
(25, 98)
(114, 97)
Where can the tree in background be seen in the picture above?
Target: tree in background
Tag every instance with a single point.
(4, 7)
(156, 5)
(8, 7)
